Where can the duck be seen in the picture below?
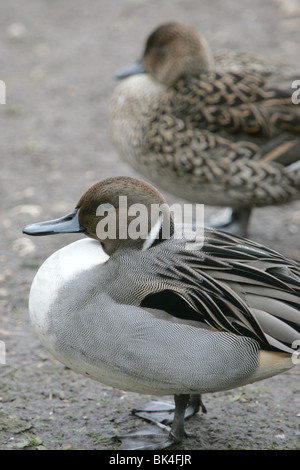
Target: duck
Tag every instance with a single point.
(221, 129)
(148, 303)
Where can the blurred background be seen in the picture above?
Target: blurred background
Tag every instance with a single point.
(58, 59)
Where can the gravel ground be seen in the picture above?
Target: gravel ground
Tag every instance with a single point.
(58, 61)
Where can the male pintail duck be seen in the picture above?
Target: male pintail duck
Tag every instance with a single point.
(219, 130)
(159, 314)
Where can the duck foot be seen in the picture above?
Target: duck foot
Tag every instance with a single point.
(234, 221)
(147, 438)
(162, 414)
(157, 411)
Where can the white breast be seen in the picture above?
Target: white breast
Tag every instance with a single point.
(61, 267)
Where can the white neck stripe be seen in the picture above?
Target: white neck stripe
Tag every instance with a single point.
(153, 234)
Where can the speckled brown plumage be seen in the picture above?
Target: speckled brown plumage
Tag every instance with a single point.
(226, 136)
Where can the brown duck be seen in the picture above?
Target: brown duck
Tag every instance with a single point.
(216, 129)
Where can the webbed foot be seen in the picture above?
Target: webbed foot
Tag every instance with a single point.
(162, 414)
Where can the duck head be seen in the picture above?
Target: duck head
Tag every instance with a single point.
(120, 212)
(172, 51)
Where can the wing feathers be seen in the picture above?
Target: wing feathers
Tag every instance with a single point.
(234, 285)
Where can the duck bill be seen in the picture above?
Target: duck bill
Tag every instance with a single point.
(133, 69)
(67, 224)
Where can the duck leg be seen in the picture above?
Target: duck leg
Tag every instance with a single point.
(177, 432)
(194, 405)
(234, 221)
(162, 414)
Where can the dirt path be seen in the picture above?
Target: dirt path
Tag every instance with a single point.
(58, 60)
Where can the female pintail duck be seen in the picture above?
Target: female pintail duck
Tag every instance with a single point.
(219, 130)
(141, 309)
